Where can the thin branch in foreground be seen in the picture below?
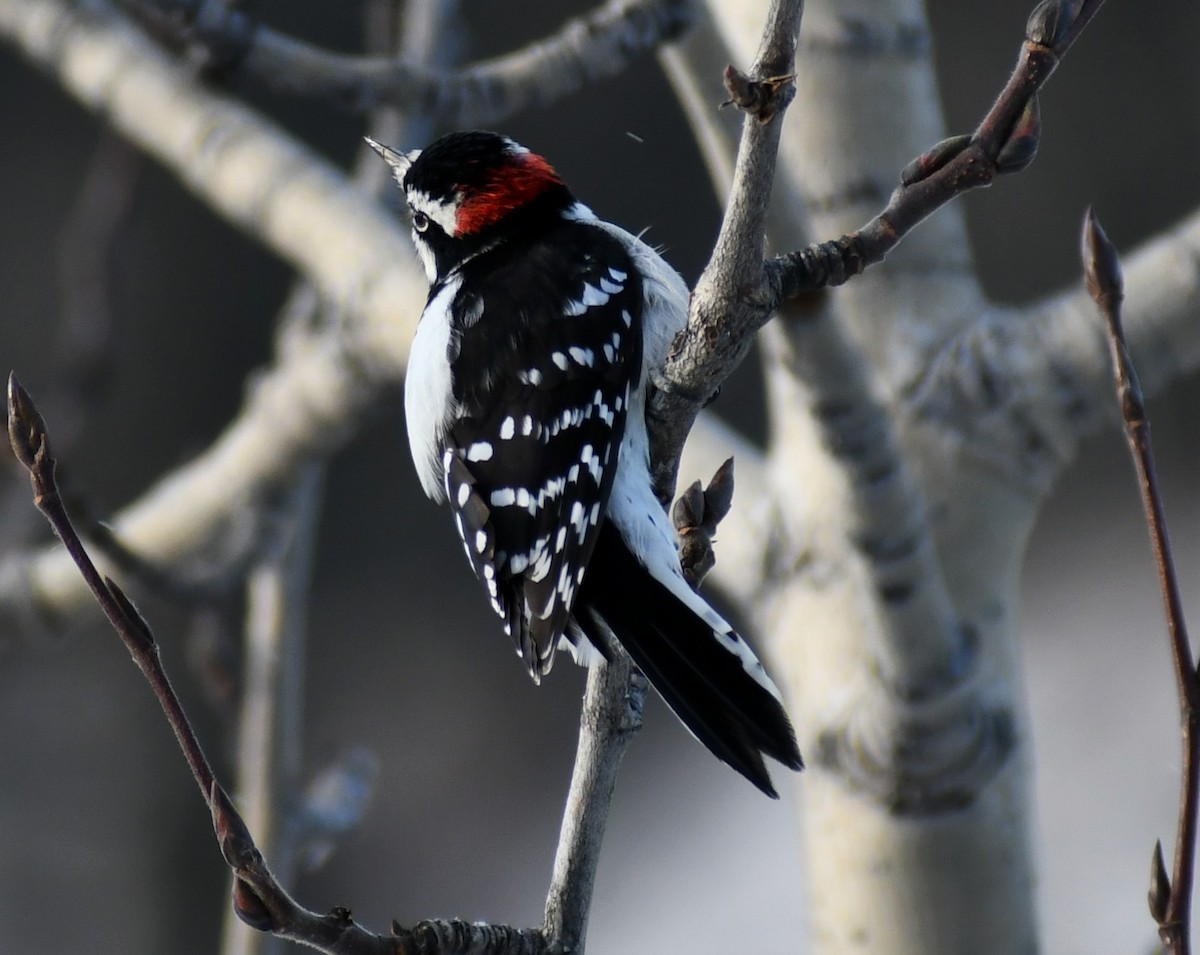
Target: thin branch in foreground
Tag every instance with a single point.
(1170, 898)
(611, 716)
(27, 435)
(258, 898)
(601, 43)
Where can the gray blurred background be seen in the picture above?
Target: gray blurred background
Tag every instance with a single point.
(104, 843)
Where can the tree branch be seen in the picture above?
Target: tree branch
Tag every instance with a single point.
(1005, 142)
(1170, 898)
(247, 169)
(714, 342)
(602, 43)
(258, 898)
(717, 339)
(311, 401)
(1162, 282)
(612, 715)
(1018, 390)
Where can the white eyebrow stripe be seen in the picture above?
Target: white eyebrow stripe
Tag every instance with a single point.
(442, 212)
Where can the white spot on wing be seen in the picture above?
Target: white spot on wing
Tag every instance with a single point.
(480, 451)
(503, 497)
(542, 566)
(593, 296)
(559, 359)
(508, 428)
(584, 356)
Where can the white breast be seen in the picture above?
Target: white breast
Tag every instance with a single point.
(428, 390)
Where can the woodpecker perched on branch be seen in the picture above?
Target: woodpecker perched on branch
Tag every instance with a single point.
(526, 402)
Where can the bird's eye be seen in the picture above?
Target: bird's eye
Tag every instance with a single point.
(420, 221)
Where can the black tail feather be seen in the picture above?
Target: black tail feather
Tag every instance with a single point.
(703, 683)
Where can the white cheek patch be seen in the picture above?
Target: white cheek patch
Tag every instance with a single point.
(442, 212)
(426, 255)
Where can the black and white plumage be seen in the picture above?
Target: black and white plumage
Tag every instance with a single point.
(525, 401)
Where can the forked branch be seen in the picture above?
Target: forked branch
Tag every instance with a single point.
(725, 316)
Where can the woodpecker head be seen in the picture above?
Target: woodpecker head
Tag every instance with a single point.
(467, 192)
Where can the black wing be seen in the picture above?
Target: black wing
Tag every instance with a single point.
(542, 371)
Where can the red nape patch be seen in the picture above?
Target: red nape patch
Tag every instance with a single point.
(518, 182)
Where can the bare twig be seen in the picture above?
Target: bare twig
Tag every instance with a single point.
(257, 896)
(601, 43)
(27, 435)
(1005, 142)
(1170, 898)
(696, 514)
(719, 331)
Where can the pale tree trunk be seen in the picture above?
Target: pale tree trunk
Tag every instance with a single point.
(896, 634)
(915, 428)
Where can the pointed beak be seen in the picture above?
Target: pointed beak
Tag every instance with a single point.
(399, 162)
